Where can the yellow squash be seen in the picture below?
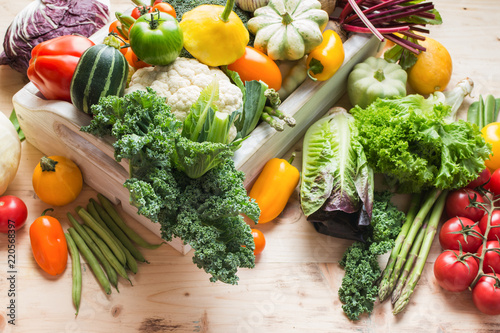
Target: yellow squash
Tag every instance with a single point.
(214, 35)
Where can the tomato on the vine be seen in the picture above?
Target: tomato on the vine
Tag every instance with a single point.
(491, 262)
(13, 213)
(453, 272)
(458, 201)
(255, 65)
(486, 295)
(138, 11)
(495, 222)
(259, 240)
(460, 230)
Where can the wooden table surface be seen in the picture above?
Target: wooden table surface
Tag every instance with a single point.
(294, 286)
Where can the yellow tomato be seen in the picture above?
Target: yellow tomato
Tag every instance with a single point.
(433, 69)
(491, 134)
(57, 180)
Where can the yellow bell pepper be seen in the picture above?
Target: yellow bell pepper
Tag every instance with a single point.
(325, 60)
(274, 186)
(214, 35)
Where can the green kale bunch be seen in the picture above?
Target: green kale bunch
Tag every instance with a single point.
(359, 290)
(204, 211)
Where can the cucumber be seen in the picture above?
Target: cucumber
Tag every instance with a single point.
(101, 71)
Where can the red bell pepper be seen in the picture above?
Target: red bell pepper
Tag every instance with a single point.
(53, 63)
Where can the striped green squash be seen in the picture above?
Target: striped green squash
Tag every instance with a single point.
(101, 71)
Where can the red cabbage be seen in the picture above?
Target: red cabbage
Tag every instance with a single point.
(42, 20)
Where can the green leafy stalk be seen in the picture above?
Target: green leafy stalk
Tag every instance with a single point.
(416, 272)
(384, 285)
(412, 256)
(427, 204)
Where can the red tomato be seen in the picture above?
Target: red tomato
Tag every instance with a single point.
(494, 184)
(467, 236)
(458, 200)
(491, 258)
(454, 274)
(482, 179)
(259, 240)
(255, 65)
(138, 11)
(486, 296)
(495, 221)
(164, 7)
(13, 213)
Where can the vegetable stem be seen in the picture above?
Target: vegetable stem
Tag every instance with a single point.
(416, 272)
(429, 201)
(384, 289)
(227, 11)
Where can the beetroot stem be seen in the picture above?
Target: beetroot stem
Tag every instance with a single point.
(355, 28)
(412, 47)
(365, 20)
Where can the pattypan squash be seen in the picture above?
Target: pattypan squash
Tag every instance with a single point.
(215, 35)
(374, 78)
(288, 29)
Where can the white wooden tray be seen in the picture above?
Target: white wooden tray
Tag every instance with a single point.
(53, 127)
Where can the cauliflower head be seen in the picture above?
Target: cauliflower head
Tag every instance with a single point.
(181, 83)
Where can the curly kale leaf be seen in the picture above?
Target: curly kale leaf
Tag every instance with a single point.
(359, 290)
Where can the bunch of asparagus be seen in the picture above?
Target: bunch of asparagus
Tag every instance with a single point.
(409, 254)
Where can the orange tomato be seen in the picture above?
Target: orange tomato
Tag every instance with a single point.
(259, 240)
(133, 60)
(113, 27)
(255, 65)
(57, 180)
(165, 8)
(49, 244)
(491, 134)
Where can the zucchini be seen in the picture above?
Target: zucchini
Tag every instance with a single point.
(101, 71)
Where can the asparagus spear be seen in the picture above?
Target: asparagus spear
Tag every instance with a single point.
(416, 272)
(384, 291)
(429, 201)
(415, 248)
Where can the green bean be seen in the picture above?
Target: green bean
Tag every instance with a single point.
(489, 109)
(114, 229)
(76, 270)
(91, 260)
(131, 261)
(108, 206)
(108, 254)
(110, 272)
(105, 236)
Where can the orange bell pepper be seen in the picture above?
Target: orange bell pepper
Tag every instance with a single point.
(48, 244)
(274, 186)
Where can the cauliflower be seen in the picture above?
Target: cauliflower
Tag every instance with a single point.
(181, 83)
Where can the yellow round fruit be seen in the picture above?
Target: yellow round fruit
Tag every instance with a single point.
(433, 69)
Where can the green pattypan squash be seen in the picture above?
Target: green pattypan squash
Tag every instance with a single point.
(288, 29)
(374, 78)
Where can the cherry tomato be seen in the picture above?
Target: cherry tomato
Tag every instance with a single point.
(133, 60)
(486, 295)
(259, 240)
(255, 65)
(164, 7)
(113, 27)
(138, 11)
(495, 221)
(48, 244)
(491, 258)
(13, 213)
(482, 179)
(491, 134)
(450, 239)
(458, 200)
(494, 184)
(454, 273)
